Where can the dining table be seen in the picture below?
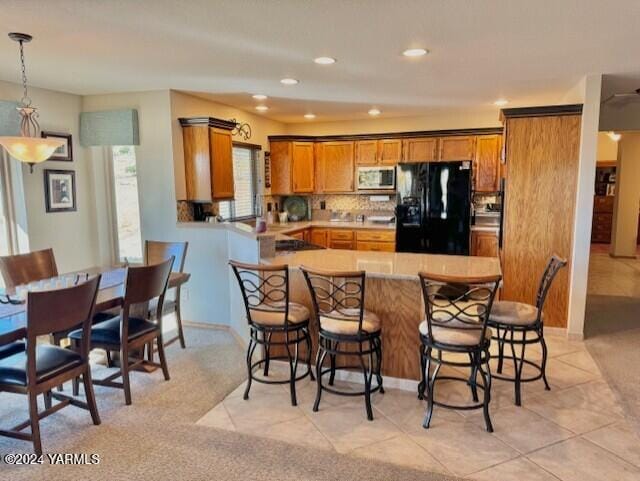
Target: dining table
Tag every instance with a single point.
(13, 315)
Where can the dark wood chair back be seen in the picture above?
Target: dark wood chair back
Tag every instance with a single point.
(263, 287)
(61, 310)
(157, 251)
(337, 295)
(145, 283)
(24, 268)
(458, 303)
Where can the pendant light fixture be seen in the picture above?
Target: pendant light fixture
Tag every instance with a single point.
(29, 147)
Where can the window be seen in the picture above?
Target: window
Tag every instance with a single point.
(244, 180)
(125, 198)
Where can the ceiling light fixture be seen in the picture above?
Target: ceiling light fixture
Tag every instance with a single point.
(501, 102)
(259, 96)
(415, 52)
(374, 112)
(613, 136)
(324, 60)
(309, 116)
(262, 108)
(289, 81)
(29, 148)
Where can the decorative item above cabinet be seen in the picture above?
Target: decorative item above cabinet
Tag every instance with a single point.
(208, 158)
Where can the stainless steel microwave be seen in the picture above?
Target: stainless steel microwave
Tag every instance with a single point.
(376, 178)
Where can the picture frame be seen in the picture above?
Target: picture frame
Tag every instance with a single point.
(60, 190)
(64, 153)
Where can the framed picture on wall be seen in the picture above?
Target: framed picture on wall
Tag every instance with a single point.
(64, 153)
(60, 190)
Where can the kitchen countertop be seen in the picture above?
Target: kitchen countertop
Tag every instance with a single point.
(396, 265)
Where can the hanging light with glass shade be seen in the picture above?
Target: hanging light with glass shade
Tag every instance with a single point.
(29, 148)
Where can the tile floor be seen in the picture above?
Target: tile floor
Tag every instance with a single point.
(576, 431)
(610, 276)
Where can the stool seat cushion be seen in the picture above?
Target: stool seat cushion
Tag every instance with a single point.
(457, 333)
(11, 349)
(50, 361)
(273, 314)
(513, 313)
(108, 332)
(345, 322)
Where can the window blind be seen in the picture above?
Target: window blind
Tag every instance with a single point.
(244, 180)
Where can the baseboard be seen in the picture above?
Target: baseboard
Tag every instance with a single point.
(622, 257)
(556, 331)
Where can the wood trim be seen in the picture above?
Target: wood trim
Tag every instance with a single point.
(546, 111)
(210, 121)
(247, 145)
(386, 135)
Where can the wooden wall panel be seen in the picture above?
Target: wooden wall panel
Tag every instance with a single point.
(542, 160)
(197, 166)
(281, 168)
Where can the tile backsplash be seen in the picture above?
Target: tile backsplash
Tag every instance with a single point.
(353, 203)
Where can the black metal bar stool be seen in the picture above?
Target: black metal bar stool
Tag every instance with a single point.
(517, 320)
(456, 314)
(345, 329)
(265, 291)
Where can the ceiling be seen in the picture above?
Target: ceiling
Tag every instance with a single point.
(226, 50)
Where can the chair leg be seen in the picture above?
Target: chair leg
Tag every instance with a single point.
(486, 381)
(332, 360)
(424, 365)
(501, 341)
(150, 351)
(250, 349)
(75, 386)
(163, 358)
(430, 394)
(109, 359)
(544, 361)
(367, 386)
(48, 401)
(35, 423)
(267, 347)
(320, 356)
(518, 367)
(124, 370)
(378, 344)
(474, 376)
(179, 322)
(90, 395)
(307, 338)
(293, 365)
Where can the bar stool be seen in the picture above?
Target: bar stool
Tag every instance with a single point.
(511, 317)
(338, 302)
(265, 291)
(456, 314)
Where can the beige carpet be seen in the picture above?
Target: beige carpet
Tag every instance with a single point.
(156, 438)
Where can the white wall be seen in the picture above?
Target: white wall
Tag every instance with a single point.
(72, 235)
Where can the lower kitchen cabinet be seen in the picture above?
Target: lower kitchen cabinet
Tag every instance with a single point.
(484, 243)
(320, 237)
(375, 246)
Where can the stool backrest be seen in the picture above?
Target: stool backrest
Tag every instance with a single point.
(157, 251)
(553, 266)
(264, 288)
(25, 268)
(337, 295)
(458, 302)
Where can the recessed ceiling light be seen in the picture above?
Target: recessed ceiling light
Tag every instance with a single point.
(289, 81)
(374, 112)
(613, 136)
(501, 102)
(324, 60)
(415, 52)
(262, 108)
(259, 96)
(309, 116)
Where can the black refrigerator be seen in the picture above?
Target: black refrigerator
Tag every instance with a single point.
(434, 207)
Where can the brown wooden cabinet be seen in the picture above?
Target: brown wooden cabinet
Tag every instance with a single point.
(292, 168)
(459, 147)
(602, 223)
(208, 159)
(389, 151)
(366, 152)
(423, 149)
(484, 243)
(320, 237)
(486, 163)
(336, 166)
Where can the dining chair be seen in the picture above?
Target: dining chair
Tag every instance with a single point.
(456, 315)
(156, 252)
(524, 325)
(346, 329)
(128, 334)
(265, 292)
(22, 269)
(43, 366)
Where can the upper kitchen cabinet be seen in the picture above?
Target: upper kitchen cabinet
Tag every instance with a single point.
(423, 149)
(389, 151)
(208, 158)
(366, 152)
(292, 167)
(460, 147)
(336, 166)
(486, 163)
